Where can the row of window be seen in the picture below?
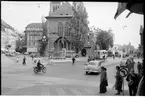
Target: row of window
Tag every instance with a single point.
(33, 38)
(63, 29)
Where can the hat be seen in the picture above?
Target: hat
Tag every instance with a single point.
(103, 67)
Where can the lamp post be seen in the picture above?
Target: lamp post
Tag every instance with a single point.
(44, 39)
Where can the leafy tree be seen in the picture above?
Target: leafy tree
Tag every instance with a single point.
(20, 45)
(105, 39)
(79, 25)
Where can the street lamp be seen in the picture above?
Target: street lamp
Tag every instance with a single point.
(44, 39)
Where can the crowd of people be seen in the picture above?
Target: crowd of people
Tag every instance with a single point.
(134, 79)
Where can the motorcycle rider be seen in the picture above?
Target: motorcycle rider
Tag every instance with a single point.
(39, 65)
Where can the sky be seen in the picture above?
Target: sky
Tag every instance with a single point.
(100, 15)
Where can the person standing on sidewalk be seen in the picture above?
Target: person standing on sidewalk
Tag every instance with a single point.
(132, 63)
(103, 80)
(139, 67)
(118, 82)
(133, 81)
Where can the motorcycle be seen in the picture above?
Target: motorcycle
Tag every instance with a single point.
(42, 69)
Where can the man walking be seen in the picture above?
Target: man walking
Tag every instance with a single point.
(73, 61)
(24, 61)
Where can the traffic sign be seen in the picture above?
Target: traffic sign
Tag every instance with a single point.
(123, 72)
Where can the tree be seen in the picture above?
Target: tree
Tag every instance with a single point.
(21, 44)
(105, 39)
(79, 24)
(44, 41)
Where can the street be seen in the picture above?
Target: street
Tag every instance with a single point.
(62, 78)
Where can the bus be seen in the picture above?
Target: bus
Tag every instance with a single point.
(101, 54)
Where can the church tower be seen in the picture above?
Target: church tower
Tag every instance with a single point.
(54, 6)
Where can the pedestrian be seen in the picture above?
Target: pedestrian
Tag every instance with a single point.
(24, 61)
(73, 61)
(32, 57)
(139, 67)
(17, 59)
(35, 59)
(128, 64)
(119, 81)
(113, 56)
(103, 80)
(132, 63)
(133, 81)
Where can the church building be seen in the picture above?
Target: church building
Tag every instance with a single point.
(58, 29)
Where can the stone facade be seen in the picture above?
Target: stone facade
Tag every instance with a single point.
(58, 26)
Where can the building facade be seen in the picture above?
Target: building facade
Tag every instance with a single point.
(58, 26)
(33, 33)
(8, 36)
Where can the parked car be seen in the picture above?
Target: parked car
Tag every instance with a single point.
(76, 56)
(10, 54)
(93, 66)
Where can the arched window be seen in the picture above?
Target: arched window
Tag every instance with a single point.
(60, 29)
(67, 31)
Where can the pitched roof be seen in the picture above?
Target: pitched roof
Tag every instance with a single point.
(34, 25)
(5, 25)
(65, 9)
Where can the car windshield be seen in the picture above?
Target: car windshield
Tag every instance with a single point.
(93, 63)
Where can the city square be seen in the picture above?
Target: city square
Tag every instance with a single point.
(64, 44)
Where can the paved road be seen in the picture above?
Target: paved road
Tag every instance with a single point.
(60, 79)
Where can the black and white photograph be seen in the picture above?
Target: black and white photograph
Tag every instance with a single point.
(72, 48)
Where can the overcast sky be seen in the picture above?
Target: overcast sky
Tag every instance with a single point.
(20, 14)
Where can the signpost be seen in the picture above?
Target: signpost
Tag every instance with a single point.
(123, 72)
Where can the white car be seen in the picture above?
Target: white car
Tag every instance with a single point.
(93, 66)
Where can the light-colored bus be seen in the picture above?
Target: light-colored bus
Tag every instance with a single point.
(101, 54)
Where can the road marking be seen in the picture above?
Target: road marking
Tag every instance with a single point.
(60, 91)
